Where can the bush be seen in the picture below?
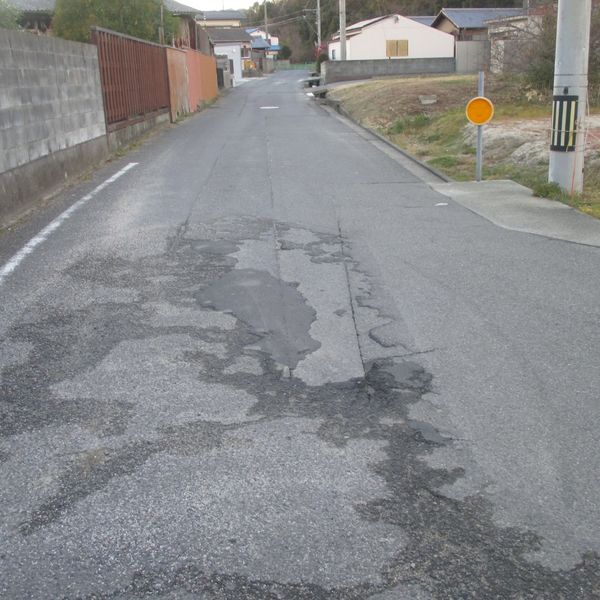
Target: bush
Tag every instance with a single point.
(323, 57)
(285, 53)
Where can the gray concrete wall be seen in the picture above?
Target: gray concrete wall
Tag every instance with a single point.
(350, 70)
(472, 57)
(52, 123)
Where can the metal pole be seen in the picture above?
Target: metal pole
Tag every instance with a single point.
(319, 41)
(342, 29)
(570, 80)
(480, 92)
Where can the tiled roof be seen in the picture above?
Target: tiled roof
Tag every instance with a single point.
(228, 34)
(33, 5)
(259, 44)
(423, 20)
(223, 15)
(475, 18)
(181, 9)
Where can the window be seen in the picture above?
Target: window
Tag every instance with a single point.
(396, 48)
(333, 55)
(245, 52)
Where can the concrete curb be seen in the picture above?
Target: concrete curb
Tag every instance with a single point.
(340, 110)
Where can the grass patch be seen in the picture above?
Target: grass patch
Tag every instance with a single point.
(445, 162)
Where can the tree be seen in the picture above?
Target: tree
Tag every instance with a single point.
(9, 17)
(285, 52)
(139, 18)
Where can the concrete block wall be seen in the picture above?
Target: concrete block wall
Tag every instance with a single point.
(52, 121)
(350, 70)
(50, 96)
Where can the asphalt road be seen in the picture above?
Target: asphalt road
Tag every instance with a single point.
(268, 362)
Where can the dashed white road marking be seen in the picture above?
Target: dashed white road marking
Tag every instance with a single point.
(442, 204)
(269, 107)
(44, 234)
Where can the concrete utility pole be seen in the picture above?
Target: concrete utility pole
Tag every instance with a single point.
(319, 41)
(266, 21)
(342, 29)
(570, 94)
(161, 28)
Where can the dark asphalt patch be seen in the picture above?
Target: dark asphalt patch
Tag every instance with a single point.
(453, 549)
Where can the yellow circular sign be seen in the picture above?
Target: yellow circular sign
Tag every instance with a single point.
(480, 110)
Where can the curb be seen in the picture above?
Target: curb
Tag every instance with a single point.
(336, 105)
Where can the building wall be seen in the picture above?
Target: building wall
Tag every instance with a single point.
(52, 123)
(447, 26)
(233, 52)
(472, 56)
(423, 41)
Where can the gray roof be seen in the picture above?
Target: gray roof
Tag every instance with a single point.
(259, 44)
(46, 6)
(220, 15)
(475, 18)
(423, 20)
(228, 34)
(181, 9)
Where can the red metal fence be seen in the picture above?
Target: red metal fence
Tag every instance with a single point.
(135, 80)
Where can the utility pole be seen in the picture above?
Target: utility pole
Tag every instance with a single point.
(266, 21)
(567, 149)
(342, 29)
(319, 41)
(161, 29)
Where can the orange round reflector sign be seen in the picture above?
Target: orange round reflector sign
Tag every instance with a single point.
(480, 110)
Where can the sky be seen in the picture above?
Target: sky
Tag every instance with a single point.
(218, 4)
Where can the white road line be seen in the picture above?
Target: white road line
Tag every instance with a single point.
(44, 234)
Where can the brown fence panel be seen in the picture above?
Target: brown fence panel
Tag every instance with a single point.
(202, 75)
(134, 76)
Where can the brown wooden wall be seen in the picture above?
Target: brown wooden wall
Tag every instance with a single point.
(134, 75)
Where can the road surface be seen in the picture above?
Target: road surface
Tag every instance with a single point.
(260, 359)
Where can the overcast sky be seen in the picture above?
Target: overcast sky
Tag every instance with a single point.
(218, 4)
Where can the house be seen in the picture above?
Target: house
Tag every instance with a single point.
(187, 35)
(36, 16)
(424, 20)
(513, 38)
(222, 18)
(470, 24)
(270, 43)
(233, 42)
(392, 37)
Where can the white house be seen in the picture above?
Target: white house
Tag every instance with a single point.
(392, 37)
(233, 42)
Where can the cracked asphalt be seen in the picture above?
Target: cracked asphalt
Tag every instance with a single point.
(270, 363)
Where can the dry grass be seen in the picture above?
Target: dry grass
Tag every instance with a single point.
(435, 133)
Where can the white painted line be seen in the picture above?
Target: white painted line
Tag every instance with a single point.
(269, 107)
(442, 204)
(44, 234)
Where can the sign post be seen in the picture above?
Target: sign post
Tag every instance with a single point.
(480, 111)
